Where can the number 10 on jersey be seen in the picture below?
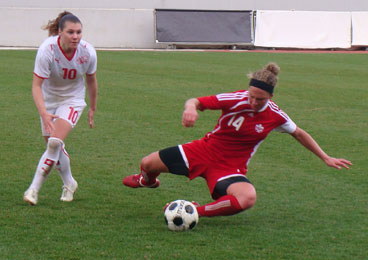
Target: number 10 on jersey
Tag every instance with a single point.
(69, 74)
(73, 115)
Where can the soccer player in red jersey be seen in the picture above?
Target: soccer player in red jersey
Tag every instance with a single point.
(222, 155)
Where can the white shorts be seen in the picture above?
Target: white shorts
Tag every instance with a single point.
(70, 113)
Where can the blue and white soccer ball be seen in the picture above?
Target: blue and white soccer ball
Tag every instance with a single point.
(181, 215)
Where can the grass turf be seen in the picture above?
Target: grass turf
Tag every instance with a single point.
(304, 209)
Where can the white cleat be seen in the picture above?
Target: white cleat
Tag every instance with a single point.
(68, 192)
(31, 196)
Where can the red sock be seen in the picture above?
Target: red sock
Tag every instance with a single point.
(148, 177)
(224, 206)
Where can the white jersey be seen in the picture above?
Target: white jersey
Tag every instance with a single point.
(64, 78)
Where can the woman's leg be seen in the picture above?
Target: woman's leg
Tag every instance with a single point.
(151, 167)
(62, 129)
(48, 160)
(234, 198)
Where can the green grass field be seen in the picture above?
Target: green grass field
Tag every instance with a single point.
(304, 209)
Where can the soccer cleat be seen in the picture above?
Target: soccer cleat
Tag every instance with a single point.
(68, 192)
(31, 197)
(196, 204)
(166, 205)
(137, 181)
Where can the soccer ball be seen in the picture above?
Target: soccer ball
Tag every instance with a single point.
(181, 215)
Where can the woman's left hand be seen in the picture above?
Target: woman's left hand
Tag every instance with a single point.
(91, 114)
(337, 162)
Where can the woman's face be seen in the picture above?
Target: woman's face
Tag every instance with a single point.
(258, 98)
(71, 35)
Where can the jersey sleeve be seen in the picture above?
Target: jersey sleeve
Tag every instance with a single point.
(288, 127)
(43, 60)
(223, 101)
(209, 102)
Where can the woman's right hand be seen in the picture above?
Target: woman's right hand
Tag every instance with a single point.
(47, 118)
(47, 121)
(190, 116)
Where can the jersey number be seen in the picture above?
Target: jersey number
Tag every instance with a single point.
(73, 115)
(237, 123)
(69, 74)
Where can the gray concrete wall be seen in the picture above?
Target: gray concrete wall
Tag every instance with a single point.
(127, 23)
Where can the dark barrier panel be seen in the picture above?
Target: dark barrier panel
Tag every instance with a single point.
(203, 26)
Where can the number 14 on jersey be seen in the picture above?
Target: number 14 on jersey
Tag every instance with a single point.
(237, 123)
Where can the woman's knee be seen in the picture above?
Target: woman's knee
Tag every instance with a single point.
(152, 163)
(247, 200)
(245, 193)
(146, 163)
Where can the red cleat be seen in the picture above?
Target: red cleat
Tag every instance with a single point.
(196, 204)
(137, 181)
(165, 207)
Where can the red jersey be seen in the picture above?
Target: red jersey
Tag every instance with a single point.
(240, 129)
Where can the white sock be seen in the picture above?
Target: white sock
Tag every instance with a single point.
(63, 166)
(46, 162)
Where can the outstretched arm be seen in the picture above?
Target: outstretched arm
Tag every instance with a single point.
(190, 114)
(308, 142)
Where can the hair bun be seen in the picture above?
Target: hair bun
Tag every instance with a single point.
(273, 68)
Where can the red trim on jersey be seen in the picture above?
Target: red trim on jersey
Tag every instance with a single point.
(58, 42)
(39, 76)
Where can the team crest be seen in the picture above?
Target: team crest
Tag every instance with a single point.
(82, 59)
(259, 128)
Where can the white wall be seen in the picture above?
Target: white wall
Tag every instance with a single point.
(360, 32)
(310, 5)
(303, 29)
(128, 23)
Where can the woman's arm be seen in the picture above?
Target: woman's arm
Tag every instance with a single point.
(91, 81)
(190, 114)
(308, 142)
(47, 118)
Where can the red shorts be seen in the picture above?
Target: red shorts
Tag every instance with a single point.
(201, 162)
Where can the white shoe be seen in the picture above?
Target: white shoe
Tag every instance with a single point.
(31, 196)
(68, 192)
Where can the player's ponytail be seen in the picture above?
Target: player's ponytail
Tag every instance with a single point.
(273, 68)
(53, 26)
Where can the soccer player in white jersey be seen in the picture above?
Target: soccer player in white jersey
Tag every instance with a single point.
(222, 155)
(64, 63)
